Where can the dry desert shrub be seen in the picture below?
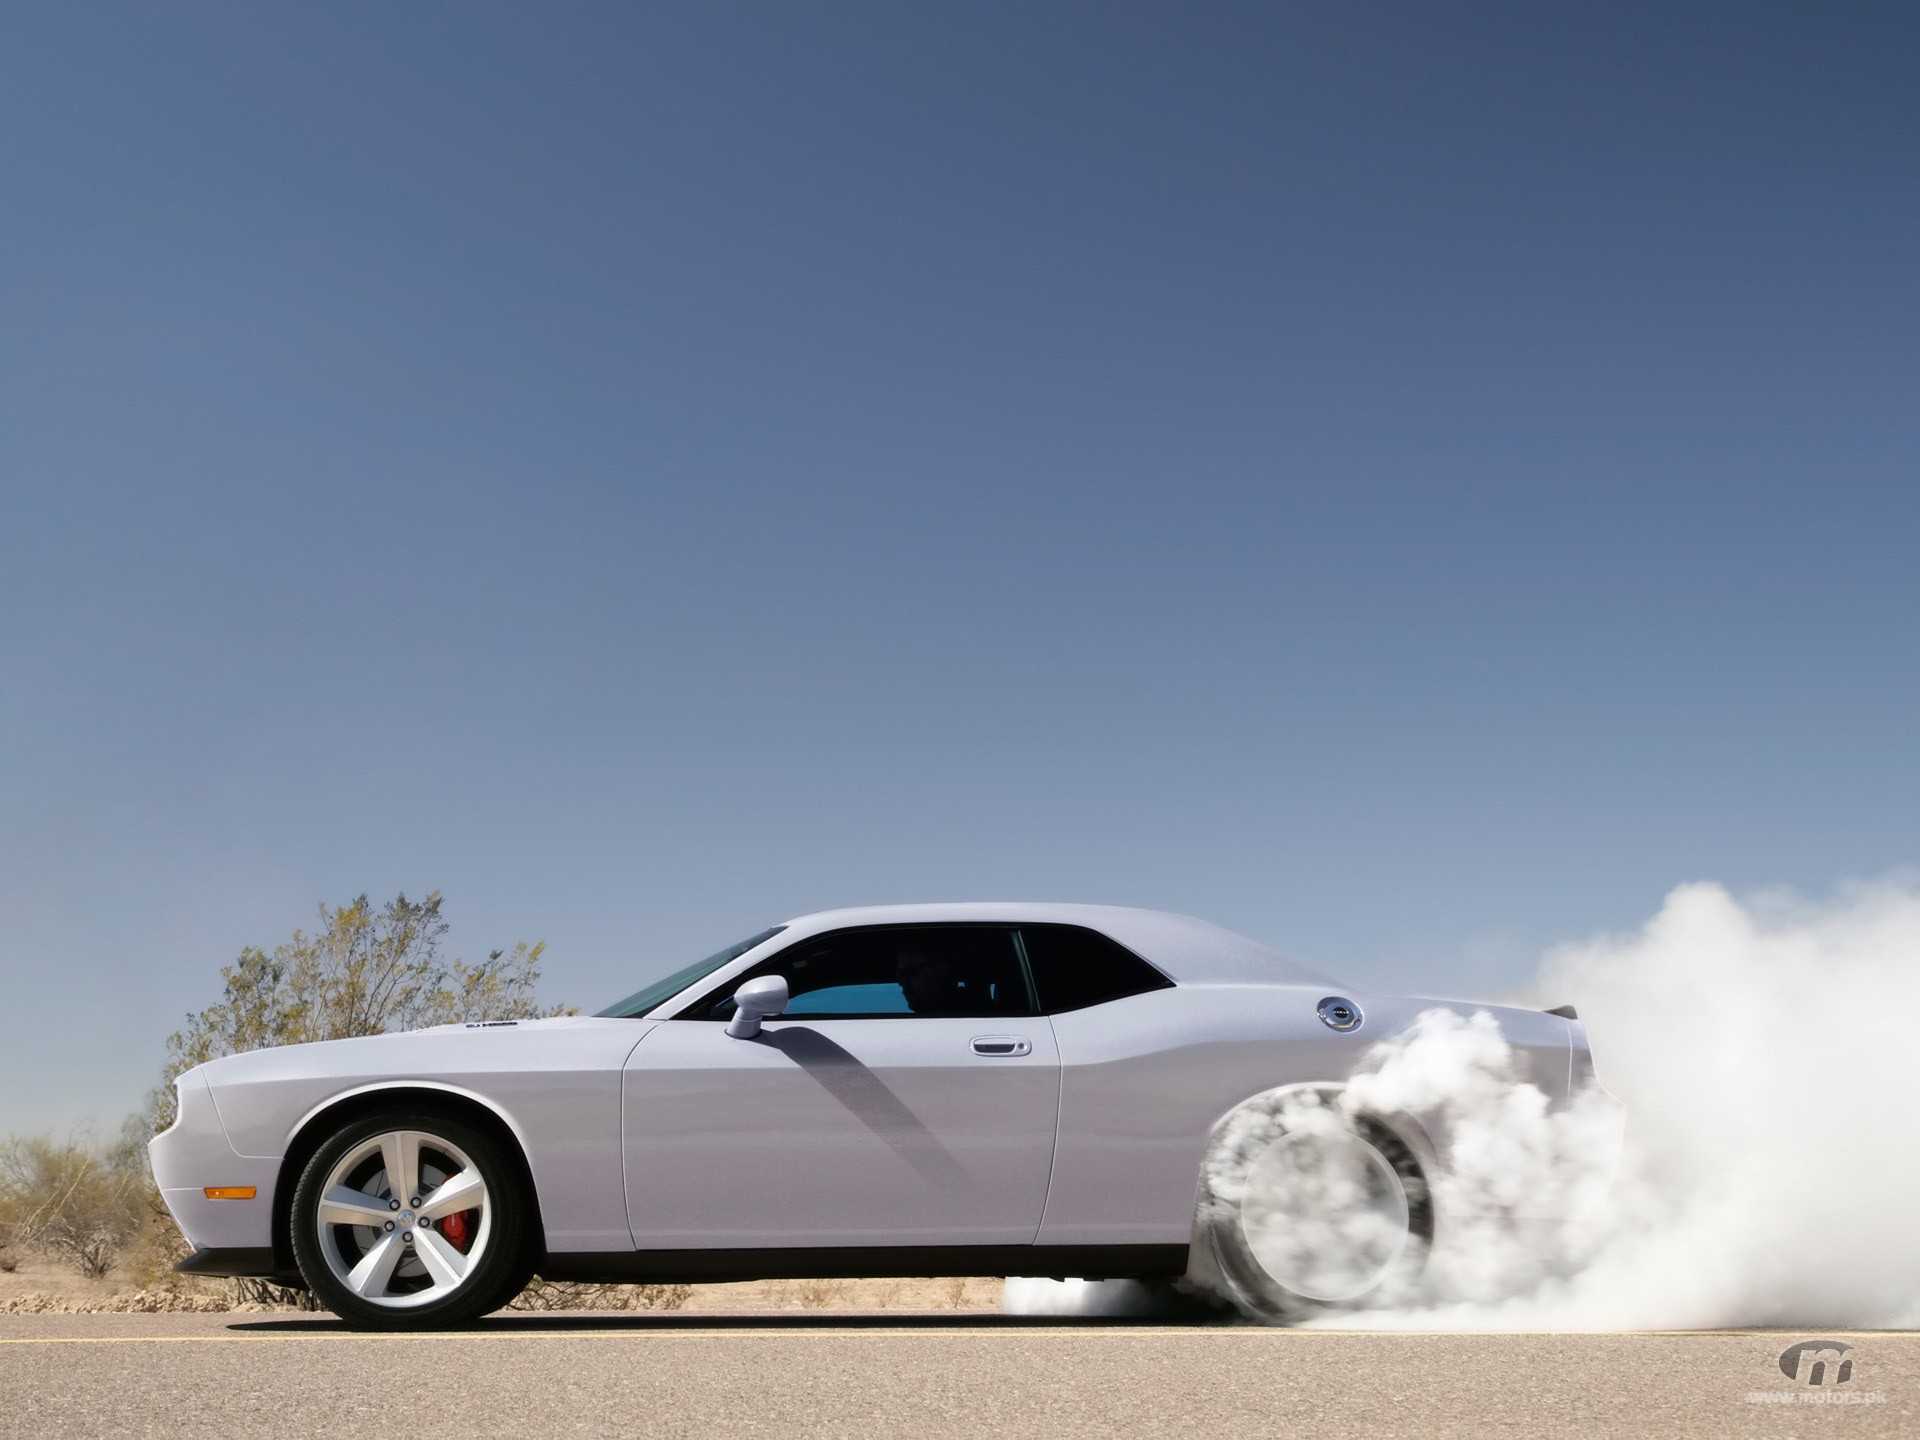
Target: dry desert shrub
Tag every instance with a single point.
(155, 1247)
(570, 1295)
(67, 1200)
(140, 1302)
(818, 1294)
(249, 1293)
(931, 1293)
(810, 1294)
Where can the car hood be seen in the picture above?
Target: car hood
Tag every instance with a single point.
(476, 1044)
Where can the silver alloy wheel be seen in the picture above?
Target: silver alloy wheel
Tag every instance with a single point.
(1325, 1214)
(403, 1219)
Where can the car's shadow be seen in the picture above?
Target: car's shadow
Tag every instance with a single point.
(530, 1322)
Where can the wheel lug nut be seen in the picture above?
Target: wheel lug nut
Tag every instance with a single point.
(414, 1203)
(393, 1204)
(406, 1237)
(389, 1225)
(425, 1223)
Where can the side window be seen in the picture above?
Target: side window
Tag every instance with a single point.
(1075, 967)
(957, 970)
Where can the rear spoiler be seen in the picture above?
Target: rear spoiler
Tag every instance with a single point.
(1565, 1012)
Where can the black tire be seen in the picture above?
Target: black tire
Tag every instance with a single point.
(325, 1252)
(1242, 1271)
(517, 1279)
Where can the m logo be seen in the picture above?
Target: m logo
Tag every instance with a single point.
(1817, 1362)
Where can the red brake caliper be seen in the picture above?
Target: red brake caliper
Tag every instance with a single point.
(456, 1227)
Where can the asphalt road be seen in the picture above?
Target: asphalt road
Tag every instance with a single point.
(226, 1375)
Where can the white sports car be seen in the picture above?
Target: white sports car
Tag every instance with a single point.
(966, 1089)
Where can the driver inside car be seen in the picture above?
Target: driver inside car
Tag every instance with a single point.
(928, 982)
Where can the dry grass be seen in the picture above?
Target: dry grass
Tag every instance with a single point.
(568, 1295)
(42, 1285)
(947, 1293)
(39, 1286)
(135, 1302)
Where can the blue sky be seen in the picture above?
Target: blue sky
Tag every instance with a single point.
(1409, 482)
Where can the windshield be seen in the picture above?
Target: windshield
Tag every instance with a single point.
(641, 1001)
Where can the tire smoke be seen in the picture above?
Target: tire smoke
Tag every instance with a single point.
(1037, 1295)
(1765, 1054)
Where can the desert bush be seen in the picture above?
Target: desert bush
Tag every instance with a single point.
(155, 1246)
(140, 1302)
(68, 1200)
(365, 971)
(247, 1290)
(570, 1295)
(817, 1294)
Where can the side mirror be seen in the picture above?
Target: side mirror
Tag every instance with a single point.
(754, 1002)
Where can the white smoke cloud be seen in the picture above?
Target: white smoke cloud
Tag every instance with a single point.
(1038, 1295)
(1531, 1191)
(1767, 1054)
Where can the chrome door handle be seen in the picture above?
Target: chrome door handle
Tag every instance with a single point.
(1001, 1045)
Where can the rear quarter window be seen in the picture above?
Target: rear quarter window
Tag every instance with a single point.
(1074, 967)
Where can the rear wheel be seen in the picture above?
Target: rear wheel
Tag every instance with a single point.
(404, 1219)
(1307, 1209)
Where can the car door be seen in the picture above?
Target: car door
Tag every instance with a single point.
(907, 1097)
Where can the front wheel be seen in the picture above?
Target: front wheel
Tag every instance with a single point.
(405, 1219)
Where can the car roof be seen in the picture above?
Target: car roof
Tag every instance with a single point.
(1189, 950)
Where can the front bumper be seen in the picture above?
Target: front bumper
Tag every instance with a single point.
(193, 1154)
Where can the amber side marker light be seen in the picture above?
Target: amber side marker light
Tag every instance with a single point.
(231, 1192)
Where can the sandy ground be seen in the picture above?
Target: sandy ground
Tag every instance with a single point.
(34, 1276)
(70, 1292)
